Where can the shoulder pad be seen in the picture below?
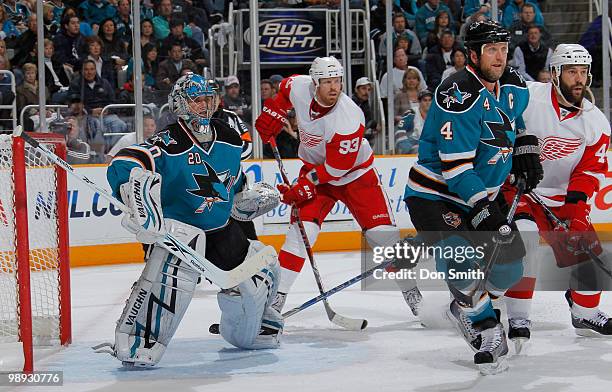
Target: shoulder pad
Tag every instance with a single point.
(173, 140)
(458, 92)
(225, 133)
(512, 77)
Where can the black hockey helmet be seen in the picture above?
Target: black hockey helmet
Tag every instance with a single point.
(485, 32)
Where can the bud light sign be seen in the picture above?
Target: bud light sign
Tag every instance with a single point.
(288, 36)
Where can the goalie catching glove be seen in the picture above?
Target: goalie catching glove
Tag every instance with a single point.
(142, 195)
(255, 201)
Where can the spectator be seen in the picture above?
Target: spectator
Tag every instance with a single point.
(544, 76)
(95, 93)
(191, 49)
(361, 96)
(7, 96)
(477, 17)
(149, 65)
(592, 41)
(518, 30)
(51, 24)
(441, 24)
(123, 21)
(459, 59)
(8, 30)
(25, 45)
(512, 12)
(532, 56)
(169, 70)
(409, 8)
(56, 79)
(267, 89)
(234, 101)
(400, 30)
(149, 128)
(113, 46)
(425, 98)
(69, 43)
(408, 96)
(439, 58)
(426, 17)
(78, 151)
(146, 33)
(95, 11)
(3, 48)
(58, 10)
(405, 140)
(27, 93)
(400, 65)
(104, 66)
(276, 79)
(17, 12)
(473, 6)
(161, 23)
(84, 27)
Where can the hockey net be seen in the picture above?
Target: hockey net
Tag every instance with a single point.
(34, 267)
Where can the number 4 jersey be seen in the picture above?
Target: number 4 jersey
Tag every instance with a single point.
(573, 145)
(465, 150)
(331, 139)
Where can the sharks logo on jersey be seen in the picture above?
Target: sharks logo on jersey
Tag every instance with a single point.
(499, 137)
(213, 187)
(454, 95)
(162, 137)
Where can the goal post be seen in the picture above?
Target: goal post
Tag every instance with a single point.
(34, 254)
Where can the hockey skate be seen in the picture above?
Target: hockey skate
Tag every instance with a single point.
(491, 357)
(413, 298)
(519, 332)
(464, 326)
(600, 325)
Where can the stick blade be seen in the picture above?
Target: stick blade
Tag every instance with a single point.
(349, 323)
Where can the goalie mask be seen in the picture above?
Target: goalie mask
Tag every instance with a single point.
(195, 99)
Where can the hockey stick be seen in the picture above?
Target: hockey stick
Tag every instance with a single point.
(558, 222)
(345, 322)
(224, 279)
(477, 292)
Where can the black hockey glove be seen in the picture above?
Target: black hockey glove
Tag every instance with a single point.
(487, 216)
(526, 161)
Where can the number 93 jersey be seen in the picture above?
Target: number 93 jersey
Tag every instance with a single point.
(465, 150)
(199, 180)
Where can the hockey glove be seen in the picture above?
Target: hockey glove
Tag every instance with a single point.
(581, 235)
(299, 193)
(142, 195)
(526, 161)
(487, 216)
(271, 120)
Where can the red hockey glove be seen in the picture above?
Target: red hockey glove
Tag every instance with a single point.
(299, 193)
(581, 233)
(271, 120)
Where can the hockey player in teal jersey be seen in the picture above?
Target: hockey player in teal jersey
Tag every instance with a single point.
(187, 180)
(465, 155)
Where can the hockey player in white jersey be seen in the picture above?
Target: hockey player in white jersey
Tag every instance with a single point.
(338, 165)
(574, 136)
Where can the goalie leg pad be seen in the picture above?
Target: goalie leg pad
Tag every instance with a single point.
(156, 305)
(246, 308)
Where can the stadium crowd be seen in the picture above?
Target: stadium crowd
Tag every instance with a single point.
(88, 62)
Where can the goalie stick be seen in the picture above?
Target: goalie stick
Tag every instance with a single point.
(214, 328)
(342, 321)
(558, 222)
(224, 279)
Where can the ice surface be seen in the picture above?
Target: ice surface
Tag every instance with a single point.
(394, 353)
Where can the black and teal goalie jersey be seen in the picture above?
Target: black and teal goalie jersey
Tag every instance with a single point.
(199, 180)
(465, 150)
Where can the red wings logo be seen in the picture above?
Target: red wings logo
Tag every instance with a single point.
(310, 140)
(553, 147)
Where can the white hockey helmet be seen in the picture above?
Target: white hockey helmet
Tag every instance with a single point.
(325, 67)
(570, 54)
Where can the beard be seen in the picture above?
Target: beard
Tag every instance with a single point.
(570, 95)
(492, 75)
